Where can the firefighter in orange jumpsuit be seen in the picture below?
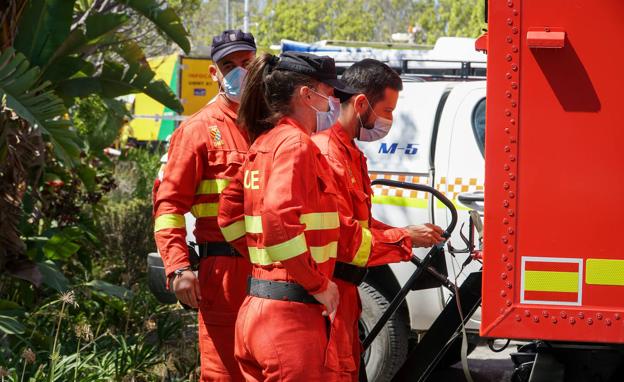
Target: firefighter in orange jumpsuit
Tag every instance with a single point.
(282, 211)
(205, 153)
(366, 116)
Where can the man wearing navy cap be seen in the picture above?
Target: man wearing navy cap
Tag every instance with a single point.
(205, 153)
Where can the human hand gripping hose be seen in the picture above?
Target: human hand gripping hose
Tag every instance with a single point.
(422, 267)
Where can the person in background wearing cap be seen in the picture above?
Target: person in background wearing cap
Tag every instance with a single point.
(366, 116)
(282, 211)
(205, 153)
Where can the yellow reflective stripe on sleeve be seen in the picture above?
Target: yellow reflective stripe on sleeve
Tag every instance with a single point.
(288, 249)
(363, 253)
(203, 210)
(234, 230)
(253, 224)
(259, 256)
(167, 221)
(363, 223)
(320, 220)
(212, 186)
(324, 253)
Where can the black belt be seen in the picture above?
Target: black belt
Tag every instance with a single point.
(217, 249)
(350, 273)
(279, 290)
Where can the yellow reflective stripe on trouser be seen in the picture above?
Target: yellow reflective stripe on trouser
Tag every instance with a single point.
(288, 249)
(233, 231)
(363, 253)
(320, 220)
(203, 210)
(363, 223)
(324, 253)
(212, 186)
(253, 224)
(166, 221)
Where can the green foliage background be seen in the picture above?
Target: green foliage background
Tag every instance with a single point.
(349, 20)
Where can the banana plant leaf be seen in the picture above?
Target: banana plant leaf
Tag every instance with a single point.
(36, 103)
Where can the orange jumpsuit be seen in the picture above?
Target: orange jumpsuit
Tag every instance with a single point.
(206, 152)
(283, 210)
(379, 244)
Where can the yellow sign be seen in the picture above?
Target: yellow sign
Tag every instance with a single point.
(196, 86)
(149, 127)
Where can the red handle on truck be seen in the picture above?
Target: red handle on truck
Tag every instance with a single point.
(545, 38)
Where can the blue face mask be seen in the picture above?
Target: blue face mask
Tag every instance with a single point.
(233, 84)
(326, 119)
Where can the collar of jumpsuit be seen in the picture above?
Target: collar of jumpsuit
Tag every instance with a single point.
(225, 106)
(354, 151)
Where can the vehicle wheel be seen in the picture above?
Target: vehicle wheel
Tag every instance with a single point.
(386, 354)
(453, 354)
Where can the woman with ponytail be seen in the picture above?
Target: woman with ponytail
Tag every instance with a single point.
(281, 211)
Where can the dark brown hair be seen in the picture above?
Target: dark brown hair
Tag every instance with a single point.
(267, 94)
(372, 77)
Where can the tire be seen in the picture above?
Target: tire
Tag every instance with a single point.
(387, 353)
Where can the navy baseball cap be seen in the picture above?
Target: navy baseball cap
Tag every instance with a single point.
(321, 68)
(230, 41)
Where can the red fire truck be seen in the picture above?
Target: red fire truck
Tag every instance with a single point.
(553, 272)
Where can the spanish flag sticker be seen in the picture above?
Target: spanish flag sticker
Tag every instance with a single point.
(552, 281)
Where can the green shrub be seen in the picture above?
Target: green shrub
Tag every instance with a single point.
(127, 236)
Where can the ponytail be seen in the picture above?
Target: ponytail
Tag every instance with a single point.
(254, 111)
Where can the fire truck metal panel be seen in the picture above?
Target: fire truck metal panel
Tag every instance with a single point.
(553, 265)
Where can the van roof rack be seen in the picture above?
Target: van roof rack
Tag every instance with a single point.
(452, 58)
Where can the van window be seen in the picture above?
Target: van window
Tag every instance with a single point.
(478, 125)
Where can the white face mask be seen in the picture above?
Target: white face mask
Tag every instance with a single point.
(380, 128)
(326, 119)
(233, 84)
